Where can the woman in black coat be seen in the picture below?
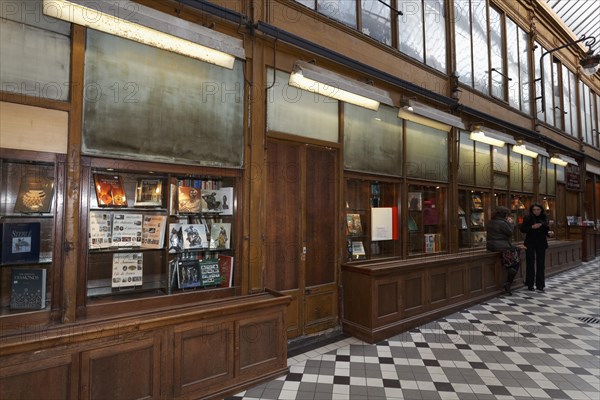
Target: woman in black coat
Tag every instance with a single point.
(499, 232)
(536, 230)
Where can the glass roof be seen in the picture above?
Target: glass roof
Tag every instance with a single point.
(582, 16)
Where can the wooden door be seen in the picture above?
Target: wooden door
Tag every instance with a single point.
(301, 233)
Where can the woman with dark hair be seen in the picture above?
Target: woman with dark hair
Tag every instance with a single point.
(499, 232)
(536, 230)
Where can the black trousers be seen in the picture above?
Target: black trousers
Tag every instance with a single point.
(535, 258)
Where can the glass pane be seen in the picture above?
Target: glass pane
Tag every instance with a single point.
(524, 70)
(516, 172)
(299, 112)
(481, 65)
(557, 108)
(426, 152)
(500, 181)
(34, 62)
(340, 10)
(512, 55)
(472, 218)
(588, 114)
(528, 174)
(466, 157)
(496, 40)
(308, 3)
(377, 20)
(574, 109)
(136, 94)
(435, 34)
(372, 140)
(551, 182)
(560, 173)
(462, 31)
(543, 168)
(483, 172)
(427, 222)
(500, 155)
(548, 90)
(410, 28)
(537, 53)
(567, 100)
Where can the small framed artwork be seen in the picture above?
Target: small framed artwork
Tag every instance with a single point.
(148, 193)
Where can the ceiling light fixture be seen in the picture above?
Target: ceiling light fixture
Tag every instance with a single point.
(145, 25)
(423, 114)
(489, 136)
(562, 160)
(319, 80)
(528, 149)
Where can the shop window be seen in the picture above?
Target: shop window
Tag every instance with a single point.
(371, 219)
(427, 229)
(372, 140)
(473, 210)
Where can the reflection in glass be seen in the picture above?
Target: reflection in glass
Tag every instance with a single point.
(500, 155)
(483, 171)
(481, 65)
(426, 152)
(516, 172)
(466, 157)
(462, 31)
(410, 29)
(340, 10)
(435, 34)
(496, 39)
(377, 20)
(524, 69)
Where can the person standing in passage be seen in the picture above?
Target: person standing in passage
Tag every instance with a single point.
(499, 232)
(536, 230)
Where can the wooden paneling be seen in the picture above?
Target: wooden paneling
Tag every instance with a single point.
(205, 350)
(194, 346)
(428, 288)
(438, 286)
(387, 299)
(19, 381)
(124, 371)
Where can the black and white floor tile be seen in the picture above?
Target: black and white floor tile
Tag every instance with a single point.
(531, 345)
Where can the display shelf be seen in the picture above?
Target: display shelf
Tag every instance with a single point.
(164, 218)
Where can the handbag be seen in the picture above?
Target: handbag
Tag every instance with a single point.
(511, 257)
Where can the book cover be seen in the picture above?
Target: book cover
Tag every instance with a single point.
(148, 193)
(28, 289)
(194, 237)
(153, 231)
(175, 238)
(100, 230)
(462, 222)
(226, 269)
(477, 219)
(223, 199)
(20, 243)
(383, 224)
(415, 201)
(173, 206)
(476, 201)
(110, 191)
(432, 242)
(128, 269)
(35, 195)
(478, 238)
(188, 199)
(358, 250)
(188, 273)
(430, 214)
(210, 272)
(354, 224)
(127, 230)
(212, 199)
(219, 235)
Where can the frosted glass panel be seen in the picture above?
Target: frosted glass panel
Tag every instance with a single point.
(516, 172)
(143, 102)
(528, 174)
(500, 160)
(483, 172)
(426, 152)
(466, 157)
(299, 112)
(34, 62)
(30, 12)
(373, 140)
(543, 168)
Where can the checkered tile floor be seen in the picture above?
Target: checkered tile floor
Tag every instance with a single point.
(530, 345)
